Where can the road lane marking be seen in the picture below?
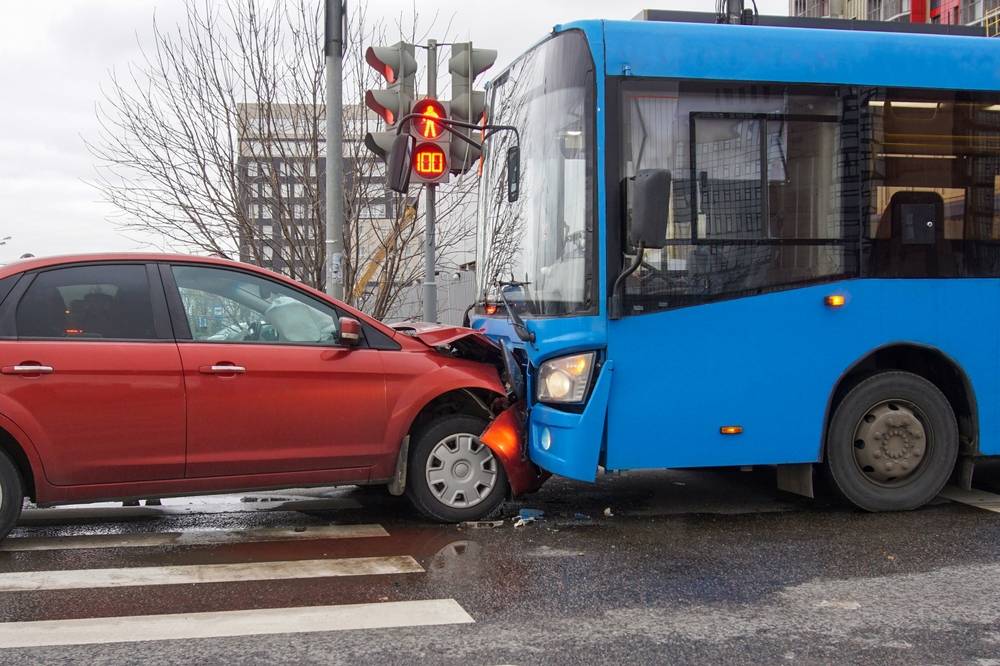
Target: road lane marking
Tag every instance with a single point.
(977, 498)
(187, 626)
(72, 579)
(190, 538)
(114, 511)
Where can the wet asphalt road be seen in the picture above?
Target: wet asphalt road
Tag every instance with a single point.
(689, 567)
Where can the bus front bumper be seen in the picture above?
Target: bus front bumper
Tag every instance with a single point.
(565, 443)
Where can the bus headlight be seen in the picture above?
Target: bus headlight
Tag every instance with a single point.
(565, 379)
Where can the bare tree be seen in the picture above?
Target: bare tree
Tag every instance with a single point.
(222, 123)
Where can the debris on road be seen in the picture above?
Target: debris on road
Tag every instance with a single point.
(528, 516)
(482, 524)
(608, 513)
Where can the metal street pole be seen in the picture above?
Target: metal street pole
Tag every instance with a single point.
(430, 286)
(336, 11)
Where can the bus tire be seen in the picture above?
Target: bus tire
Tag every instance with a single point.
(11, 495)
(892, 443)
(452, 476)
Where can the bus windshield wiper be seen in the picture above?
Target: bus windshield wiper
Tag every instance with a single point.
(519, 327)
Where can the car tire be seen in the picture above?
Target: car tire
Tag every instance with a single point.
(892, 443)
(11, 495)
(452, 476)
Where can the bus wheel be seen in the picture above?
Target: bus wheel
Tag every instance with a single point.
(892, 443)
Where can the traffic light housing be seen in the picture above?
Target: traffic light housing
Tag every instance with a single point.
(398, 67)
(467, 105)
(431, 154)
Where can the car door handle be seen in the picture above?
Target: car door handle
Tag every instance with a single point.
(26, 370)
(222, 369)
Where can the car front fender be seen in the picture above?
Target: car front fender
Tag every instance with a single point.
(505, 437)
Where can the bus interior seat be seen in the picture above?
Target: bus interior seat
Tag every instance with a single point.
(909, 241)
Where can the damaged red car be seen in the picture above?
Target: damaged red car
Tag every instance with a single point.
(130, 376)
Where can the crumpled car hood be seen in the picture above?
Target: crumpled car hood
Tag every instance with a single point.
(464, 342)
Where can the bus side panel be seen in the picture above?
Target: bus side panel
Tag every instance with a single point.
(769, 363)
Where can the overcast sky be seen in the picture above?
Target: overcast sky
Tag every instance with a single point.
(56, 54)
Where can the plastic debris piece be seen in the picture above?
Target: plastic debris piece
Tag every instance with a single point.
(580, 516)
(608, 513)
(483, 524)
(521, 522)
(533, 514)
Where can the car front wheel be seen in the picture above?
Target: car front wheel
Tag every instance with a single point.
(11, 495)
(452, 476)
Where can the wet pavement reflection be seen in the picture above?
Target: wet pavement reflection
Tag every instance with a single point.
(633, 567)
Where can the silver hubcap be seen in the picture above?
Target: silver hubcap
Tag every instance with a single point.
(461, 471)
(890, 442)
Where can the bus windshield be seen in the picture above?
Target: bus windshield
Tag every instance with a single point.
(544, 240)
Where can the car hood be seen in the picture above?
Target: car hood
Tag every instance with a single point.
(460, 341)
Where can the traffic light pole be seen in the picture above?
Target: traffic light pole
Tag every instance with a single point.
(430, 286)
(334, 47)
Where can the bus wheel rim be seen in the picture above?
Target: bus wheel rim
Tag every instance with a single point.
(891, 442)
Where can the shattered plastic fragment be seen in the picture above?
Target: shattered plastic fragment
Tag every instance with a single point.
(483, 524)
(533, 514)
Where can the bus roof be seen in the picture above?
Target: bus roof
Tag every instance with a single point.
(692, 50)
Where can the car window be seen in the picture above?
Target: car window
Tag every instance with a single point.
(232, 306)
(88, 303)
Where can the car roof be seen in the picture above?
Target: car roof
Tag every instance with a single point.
(36, 263)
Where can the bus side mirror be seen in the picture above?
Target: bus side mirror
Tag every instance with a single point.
(397, 174)
(650, 204)
(513, 173)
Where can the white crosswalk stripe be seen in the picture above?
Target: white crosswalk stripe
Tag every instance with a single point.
(165, 625)
(977, 498)
(190, 538)
(75, 579)
(232, 623)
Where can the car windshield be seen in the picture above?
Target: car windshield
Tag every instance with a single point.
(544, 240)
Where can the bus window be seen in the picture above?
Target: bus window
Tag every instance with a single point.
(932, 176)
(756, 189)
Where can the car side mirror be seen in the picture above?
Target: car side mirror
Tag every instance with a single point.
(350, 331)
(397, 172)
(650, 204)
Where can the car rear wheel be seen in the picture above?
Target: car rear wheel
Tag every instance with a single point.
(453, 476)
(892, 443)
(11, 495)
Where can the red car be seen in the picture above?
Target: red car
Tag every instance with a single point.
(129, 376)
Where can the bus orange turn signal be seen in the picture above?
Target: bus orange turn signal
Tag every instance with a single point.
(731, 430)
(835, 301)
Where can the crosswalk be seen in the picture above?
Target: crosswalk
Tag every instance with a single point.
(359, 555)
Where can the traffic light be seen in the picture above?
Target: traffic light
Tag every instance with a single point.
(398, 67)
(467, 105)
(431, 154)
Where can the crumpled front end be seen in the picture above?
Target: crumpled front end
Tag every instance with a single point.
(505, 437)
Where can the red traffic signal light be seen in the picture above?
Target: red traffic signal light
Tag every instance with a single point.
(426, 128)
(430, 161)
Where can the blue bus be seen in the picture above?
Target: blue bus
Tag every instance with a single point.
(741, 245)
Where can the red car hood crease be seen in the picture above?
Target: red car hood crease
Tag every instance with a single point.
(436, 335)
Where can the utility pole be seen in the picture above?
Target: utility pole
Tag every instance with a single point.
(336, 12)
(430, 286)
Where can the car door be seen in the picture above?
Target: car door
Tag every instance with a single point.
(269, 386)
(93, 376)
